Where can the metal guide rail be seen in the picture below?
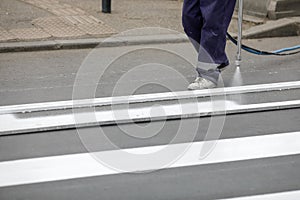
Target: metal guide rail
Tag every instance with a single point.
(167, 96)
(83, 113)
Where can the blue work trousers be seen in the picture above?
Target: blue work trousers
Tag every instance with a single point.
(206, 22)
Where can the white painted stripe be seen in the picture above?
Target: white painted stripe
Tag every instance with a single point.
(66, 167)
(168, 96)
(15, 125)
(293, 195)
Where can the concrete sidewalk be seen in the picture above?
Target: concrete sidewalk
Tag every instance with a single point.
(54, 24)
(23, 20)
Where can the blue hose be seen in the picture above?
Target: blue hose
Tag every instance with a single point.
(279, 52)
(287, 49)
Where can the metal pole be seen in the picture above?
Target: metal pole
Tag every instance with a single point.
(106, 6)
(240, 34)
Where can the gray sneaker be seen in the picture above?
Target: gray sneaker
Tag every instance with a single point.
(201, 83)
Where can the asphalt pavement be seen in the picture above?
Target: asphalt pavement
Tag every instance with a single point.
(32, 77)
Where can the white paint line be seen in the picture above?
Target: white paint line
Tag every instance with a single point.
(168, 96)
(292, 195)
(46, 169)
(15, 125)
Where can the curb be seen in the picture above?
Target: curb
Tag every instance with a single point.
(91, 43)
(279, 28)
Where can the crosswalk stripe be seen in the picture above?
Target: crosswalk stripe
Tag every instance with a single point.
(291, 195)
(65, 167)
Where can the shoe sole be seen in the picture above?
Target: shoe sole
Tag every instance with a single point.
(202, 88)
(221, 69)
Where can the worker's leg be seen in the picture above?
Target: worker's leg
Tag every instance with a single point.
(217, 16)
(192, 21)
